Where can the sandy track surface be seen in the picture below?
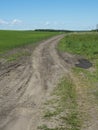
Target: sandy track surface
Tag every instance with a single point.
(24, 87)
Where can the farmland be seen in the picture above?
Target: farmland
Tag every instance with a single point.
(14, 39)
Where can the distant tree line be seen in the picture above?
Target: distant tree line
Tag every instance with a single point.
(96, 30)
(66, 31)
(52, 30)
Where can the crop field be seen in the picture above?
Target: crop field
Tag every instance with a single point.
(13, 39)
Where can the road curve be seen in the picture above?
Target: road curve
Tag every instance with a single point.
(25, 87)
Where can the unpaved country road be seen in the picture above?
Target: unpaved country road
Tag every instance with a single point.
(24, 87)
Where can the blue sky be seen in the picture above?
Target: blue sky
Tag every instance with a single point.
(54, 14)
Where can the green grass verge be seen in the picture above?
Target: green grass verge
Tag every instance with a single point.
(67, 93)
(64, 103)
(13, 39)
(85, 44)
(82, 44)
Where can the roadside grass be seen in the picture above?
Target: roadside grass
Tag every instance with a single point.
(90, 79)
(14, 39)
(85, 44)
(68, 95)
(63, 108)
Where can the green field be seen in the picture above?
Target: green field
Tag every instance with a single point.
(13, 39)
(83, 44)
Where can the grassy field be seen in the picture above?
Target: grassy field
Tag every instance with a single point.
(85, 45)
(13, 39)
(82, 44)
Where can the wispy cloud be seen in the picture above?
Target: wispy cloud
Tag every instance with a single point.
(53, 24)
(2, 22)
(47, 23)
(11, 22)
(19, 24)
(16, 21)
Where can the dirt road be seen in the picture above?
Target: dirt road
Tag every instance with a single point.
(24, 87)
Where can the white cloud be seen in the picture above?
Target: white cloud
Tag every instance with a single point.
(2, 22)
(54, 24)
(16, 21)
(47, 23)
(11, 22)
